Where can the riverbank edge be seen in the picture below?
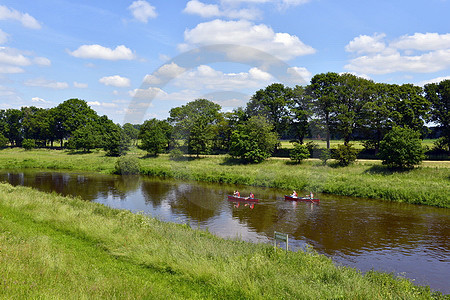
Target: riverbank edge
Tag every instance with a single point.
(427, 186)
(56, 246)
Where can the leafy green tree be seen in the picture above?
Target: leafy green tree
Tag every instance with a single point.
(299, 152)
(438, 94)
(272, 103)
(300, 112)
(401, 148)
(194, 123)
(13, 120)
(85, 138)
(36, 124)
(153, 137)
(28, 144)
(114, 140)
(3, 141)
(131, 131)
(254, 141)
(323, 92)
(345, 154)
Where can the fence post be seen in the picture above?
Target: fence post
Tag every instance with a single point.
(281, 237)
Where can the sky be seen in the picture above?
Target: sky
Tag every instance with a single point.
(135, 60)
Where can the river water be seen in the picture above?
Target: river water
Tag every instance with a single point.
(408, 240)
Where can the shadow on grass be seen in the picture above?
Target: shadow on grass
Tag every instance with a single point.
(230, 161)
(385, 170)
(78, 152)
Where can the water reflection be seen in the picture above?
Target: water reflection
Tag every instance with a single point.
(366, 234)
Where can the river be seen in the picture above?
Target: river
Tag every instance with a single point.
(408, 240)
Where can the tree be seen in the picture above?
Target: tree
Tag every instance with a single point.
(28, 144)
(299, 153)
(153, 137)
(3, 141)
(194, 123)
(13, 130)
(114, 140)
(401, 148)
(131, 131)
(254, 141)
(345, 154)
(324, 97)
(85, 138)
(300, 112)
(272, 103)
(438, 94)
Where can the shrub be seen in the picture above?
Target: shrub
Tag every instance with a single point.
(28, 144)
(325, 155)
(299, 153)
(345, 154)
(127, 165)
(401, 148)
(176, 154)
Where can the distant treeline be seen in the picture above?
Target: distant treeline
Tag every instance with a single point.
(332, 105)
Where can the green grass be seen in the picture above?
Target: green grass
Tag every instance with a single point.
(333, 143)
(55, 247)
(426, 185)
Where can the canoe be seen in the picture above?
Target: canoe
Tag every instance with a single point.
(307, 199)
(235, 198)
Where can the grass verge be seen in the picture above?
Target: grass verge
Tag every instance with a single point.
(426, 185)
(55, 247)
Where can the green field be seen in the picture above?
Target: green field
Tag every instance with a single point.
(333, 143)
(55, 247)
(427, 185)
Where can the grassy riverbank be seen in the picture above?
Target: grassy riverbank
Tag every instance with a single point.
(55, 247)
(426, 185)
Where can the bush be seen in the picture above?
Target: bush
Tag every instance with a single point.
(176, 154)
(28, 144)
(325, 155)
(299, 153)
(345, 154)
(127, 165)
(401, 148)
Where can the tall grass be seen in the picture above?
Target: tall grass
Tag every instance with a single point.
(427, 185)
(55, 247)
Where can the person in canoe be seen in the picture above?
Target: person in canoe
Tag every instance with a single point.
(294, 194)
(311, 195)
(236, 193)
(251, 196)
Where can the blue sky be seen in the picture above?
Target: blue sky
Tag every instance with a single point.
(135, 60)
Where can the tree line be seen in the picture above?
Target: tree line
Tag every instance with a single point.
(332, 105)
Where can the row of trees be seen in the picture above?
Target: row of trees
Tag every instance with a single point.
(339, 105)
(72, 121)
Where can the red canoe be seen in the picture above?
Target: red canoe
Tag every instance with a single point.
(235, 198)
(307, 199)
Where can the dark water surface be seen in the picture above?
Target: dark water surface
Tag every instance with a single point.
(408, 240)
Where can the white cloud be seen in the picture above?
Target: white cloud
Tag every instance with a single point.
(165, 72)
(299, 75)
(279, 3)
(434, 80)
(245, 33)
(41, 82)
(205, 77)
(13, 57)
(196, 7)
(10, 70)
(24, 18)
(99, 52)
(80, 85)
(142, 11)
(379, 57)
(3, 37)
(42, 61)
(149, 93)
(39, 100)
(102, 104)
(423, 42)
(116, 81)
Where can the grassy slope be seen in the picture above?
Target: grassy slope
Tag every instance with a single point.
(428, 185)
(60, 247)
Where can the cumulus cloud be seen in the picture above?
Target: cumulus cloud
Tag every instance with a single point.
(80, 85)
(24, 18)
(3, 37)
(10, 56)
(418, 53)
(102, 104)
(299, 75)
(116, 81)
(39, 100)
(243, 32)
(196, 7)
(99, 52)
(142, 11)
(164, 73)
(149, 93)
(434, 80)
(42, 82)
(42, 61)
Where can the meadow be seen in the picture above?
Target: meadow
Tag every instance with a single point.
(428, 184)
(55, 247)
